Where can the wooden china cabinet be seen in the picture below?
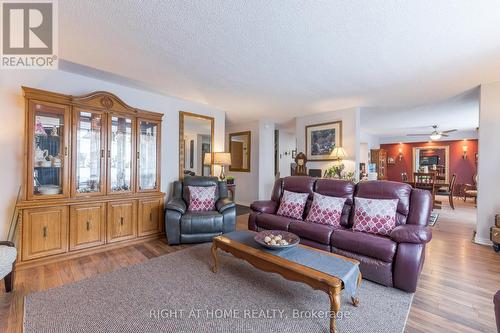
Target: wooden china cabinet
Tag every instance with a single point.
(379, 157)
(91, 177)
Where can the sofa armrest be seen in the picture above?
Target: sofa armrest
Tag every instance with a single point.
(414, 234)
(265, 206)
(176, 204)
(224, 203)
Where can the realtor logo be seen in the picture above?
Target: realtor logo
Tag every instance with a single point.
(29, 34)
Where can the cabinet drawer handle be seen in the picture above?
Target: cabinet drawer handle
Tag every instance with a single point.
(121, 220)
(102, 153)
(138, 155)
(109, 153)
(45, 232)
(65, 151)
(88, 225)
(151, 217)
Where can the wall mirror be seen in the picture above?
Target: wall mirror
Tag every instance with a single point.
(432, 159)
(196, 141)
(240, 149)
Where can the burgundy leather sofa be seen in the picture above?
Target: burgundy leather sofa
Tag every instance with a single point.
(395, 260)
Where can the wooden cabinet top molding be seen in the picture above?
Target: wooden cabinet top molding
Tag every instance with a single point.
(100, 100)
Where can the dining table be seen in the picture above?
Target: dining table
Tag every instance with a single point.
(437, 185)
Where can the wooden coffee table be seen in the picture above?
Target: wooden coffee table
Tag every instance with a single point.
(269, 262)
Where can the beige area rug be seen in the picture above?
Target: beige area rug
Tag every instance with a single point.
(178, 293)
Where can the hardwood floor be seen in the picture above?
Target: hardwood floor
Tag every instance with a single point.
(454, 293)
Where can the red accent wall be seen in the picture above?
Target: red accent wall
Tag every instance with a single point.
(465, 169)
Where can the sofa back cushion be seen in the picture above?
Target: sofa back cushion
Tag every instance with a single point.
(326, 210)
(375, 216)
(292, 204)
(341, 189)
(382, 189)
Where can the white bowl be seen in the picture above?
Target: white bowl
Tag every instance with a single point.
(49, 189)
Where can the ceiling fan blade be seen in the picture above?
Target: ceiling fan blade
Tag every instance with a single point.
(418, 134)
(442, 134)
(449, 131)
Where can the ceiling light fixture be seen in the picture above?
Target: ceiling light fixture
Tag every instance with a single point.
(435, 136)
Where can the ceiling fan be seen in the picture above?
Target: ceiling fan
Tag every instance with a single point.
(435, 135)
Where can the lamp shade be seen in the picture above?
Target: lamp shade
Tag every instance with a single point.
(338, 153)
(207, 159)
(222, 158)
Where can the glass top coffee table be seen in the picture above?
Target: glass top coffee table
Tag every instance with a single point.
(319, 269)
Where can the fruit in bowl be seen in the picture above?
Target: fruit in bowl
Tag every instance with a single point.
(276, 239)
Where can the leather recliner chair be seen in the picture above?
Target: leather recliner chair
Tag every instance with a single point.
(183, 226)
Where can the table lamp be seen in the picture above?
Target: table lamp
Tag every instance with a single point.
(222, 159)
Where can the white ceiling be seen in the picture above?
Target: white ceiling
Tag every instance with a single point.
(281, 58)
(460, 112)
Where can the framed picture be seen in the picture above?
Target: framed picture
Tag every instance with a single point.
(294, 153)
(390, 160)
(321, 139)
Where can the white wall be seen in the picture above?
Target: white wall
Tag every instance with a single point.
(350, 131)
(266, 159)
(488, 201)
(287, 143)
(247, 183)
(12, 125)
(258, 183)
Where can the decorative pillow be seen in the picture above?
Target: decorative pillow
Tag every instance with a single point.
(375, 216)
(292, 204)
(326, 210)
(201, 198)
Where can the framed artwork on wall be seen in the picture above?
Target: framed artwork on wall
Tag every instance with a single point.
(321, 139)
(391, 160)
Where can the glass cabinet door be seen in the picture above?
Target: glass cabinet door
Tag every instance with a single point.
(89, 152)
(120, 150)
(147, 154)
(48, 150)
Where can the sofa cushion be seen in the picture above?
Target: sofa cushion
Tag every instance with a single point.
(326, 210)
(201, 198)
(375, 216)
(314, 231)
(201, 222)
(299, 184)
(273, 222)
(383, 189)
(292, 204)
(340, 189)
(374, 246)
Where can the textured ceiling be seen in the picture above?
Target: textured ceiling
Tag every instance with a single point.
(460, 112)
(281, 58)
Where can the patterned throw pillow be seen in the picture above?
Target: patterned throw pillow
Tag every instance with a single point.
(375, 216)
(201, 198)
(326, 210)
(292, 204)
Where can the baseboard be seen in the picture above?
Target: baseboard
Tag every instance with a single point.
(482, 241)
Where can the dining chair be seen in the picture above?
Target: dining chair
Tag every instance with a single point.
(470, 190)
(449, 192)
(426, 181)
(404, 177)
